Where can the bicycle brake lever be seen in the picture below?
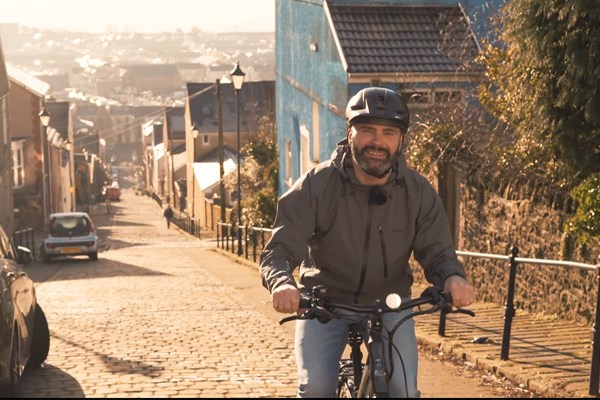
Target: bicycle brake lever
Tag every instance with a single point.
(287, 319)
(308, 314)
(463, 311)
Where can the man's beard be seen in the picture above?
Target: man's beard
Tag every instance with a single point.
(377, 168)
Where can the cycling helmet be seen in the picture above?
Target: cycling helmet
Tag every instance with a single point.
(378, 105)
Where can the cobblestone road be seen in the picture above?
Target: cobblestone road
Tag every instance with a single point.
(147, 320)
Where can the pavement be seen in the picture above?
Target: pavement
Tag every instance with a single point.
(547, 356)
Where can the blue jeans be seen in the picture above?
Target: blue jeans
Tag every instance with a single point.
(319, 348)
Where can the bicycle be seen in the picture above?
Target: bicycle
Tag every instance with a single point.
(372, 376)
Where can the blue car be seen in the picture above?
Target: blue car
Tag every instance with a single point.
(24, 333)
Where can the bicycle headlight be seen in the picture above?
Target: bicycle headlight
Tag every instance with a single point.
(393, 301)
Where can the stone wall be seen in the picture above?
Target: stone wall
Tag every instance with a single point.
(494, 225)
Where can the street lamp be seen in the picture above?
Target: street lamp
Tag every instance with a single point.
(237, 78)
(45, 120)
(195, 133)
(168, 154)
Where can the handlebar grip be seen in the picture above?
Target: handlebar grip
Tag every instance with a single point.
(447, 298)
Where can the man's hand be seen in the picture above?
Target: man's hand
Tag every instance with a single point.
(286, 299)
(462, 293)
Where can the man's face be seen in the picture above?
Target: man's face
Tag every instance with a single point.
(374, 147)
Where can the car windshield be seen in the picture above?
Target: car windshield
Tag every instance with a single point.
(70, 226)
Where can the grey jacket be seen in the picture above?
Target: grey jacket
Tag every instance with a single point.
(357, 240)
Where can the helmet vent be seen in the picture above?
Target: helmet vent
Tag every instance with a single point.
(381, 102)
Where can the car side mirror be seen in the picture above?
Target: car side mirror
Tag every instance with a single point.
(25, 256)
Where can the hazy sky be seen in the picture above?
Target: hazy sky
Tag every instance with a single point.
(142, 15)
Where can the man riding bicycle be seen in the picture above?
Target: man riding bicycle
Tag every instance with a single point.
(352, 223)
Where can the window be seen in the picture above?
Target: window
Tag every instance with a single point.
(205, 140)
(18, 166)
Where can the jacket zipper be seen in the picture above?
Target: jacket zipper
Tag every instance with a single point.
(383, 253)
(365, 254)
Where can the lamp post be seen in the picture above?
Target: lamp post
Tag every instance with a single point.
(195, 133)
(221, 156)
(45, 120)
(237, 78)
(167, 179)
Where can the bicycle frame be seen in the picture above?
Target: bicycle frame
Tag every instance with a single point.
(373, 379)
(351, 369)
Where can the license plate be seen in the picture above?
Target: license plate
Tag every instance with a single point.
(69, 250)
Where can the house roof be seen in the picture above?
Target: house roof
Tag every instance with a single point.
(28, 81)
(213, 155)
(374, 38)
(208, 174)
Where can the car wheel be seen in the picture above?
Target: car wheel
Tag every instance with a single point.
(93, 256)
(13, 388)
(40, 344)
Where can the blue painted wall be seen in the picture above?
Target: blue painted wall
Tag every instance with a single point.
(305, 76)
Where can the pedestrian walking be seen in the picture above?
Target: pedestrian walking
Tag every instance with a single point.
(168, 214)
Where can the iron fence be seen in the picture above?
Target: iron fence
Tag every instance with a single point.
(186, 223)
(253, 239)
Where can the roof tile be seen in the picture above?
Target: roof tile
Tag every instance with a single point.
(400, 38)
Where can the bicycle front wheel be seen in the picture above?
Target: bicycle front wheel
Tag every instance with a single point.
(365, 390)
(345, 390)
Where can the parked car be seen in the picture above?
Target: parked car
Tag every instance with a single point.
(24, 333)
(70, 234)
(112, 192)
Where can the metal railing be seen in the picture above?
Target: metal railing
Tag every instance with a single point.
(509, 306)
(227, 239)
(253, 240)
(25, 237)
(186, 223)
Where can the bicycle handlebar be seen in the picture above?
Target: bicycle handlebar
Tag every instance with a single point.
(317, 306)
